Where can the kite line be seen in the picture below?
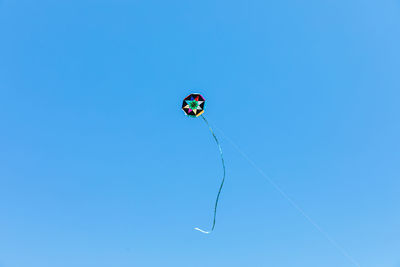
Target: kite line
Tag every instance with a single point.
(292, 202)
(223, 178)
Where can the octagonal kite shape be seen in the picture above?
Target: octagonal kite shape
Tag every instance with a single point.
(193, 105)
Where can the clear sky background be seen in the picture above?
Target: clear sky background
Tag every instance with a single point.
(99, 166)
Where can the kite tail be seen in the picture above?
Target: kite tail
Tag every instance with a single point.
(223, 178)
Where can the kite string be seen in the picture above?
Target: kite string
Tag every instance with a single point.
(223, 178)
(292, 202)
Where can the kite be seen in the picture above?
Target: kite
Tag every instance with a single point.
(193, 106)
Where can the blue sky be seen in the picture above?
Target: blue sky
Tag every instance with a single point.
(100, 167)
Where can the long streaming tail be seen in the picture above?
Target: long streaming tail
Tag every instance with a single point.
(223, 178)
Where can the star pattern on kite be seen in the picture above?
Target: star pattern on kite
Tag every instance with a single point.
(193, 105)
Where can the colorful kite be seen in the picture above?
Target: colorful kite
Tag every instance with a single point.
(193, 106)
